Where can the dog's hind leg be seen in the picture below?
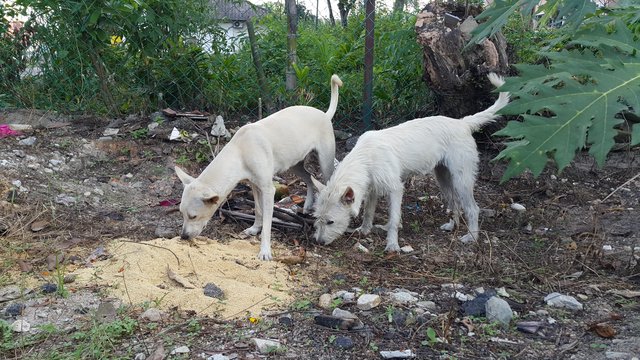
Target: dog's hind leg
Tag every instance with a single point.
(257, 223)
(443, 176)
(463, 185)
(327, 157)
(299, 170)
(395, 214)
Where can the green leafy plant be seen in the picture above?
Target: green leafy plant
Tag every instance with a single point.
(581, 95)
(432, 337)
(304, 304)
(140, 133)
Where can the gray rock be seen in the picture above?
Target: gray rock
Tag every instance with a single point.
(64, 199)
(617, 355)
(30, 141)
(530, 327)
(152, 314)
(343, 314)
(498, 310)
(427, 305)
(265, 346)
(10, 292)
(477, 306)
(563, 301)
(402, 298)
(180, 350)
(14, 309)
(333, 322)
(343, 342)
(140, 356)
(397, 354)
(368, 301)
(212, 290)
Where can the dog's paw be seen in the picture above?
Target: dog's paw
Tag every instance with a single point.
(252, 231)
(468, 238)
(392, 248)
(364, 230)
(265, 255)
(448, 226)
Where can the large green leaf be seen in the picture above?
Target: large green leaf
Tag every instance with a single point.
(497, 15)
(574, 103)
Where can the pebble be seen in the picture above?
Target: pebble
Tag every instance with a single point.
(530, 327)
(64, 199)
(361, 248)
(343, 342)
(266, 346)
(397, 354)
(333, 322)
(152, 314)
(30, 141)
(406, 249)
(49, 288)
(325, 300)
(451, 286)
(502, 292)
(368, 301)
(518, 207)
(428, 305)
(402, 298)
(563, 301)
(285, 320)
(477, 306)
(212, 290)
(498, 310)
(20, 326)
(343, 314)
(180, 350)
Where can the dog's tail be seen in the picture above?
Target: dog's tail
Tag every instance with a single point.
(335, 84)
(477, 120)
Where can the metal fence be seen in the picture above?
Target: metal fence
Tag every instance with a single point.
(114, 59)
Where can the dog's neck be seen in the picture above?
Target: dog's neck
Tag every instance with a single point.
(224, 172)
(354, 172)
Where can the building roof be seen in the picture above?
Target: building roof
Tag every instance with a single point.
(236, 10)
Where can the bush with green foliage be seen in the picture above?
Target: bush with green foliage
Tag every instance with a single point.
(581, 94)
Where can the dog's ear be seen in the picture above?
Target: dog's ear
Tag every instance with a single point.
(348, 196)
(212, 200)
(184, 177)
(320, 186)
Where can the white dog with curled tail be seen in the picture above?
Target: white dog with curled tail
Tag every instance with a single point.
(256, 152)
(381, 160)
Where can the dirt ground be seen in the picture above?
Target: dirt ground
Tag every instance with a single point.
(79, 192)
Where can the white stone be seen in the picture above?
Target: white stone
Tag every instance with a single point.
(266, 346)
(28, 141)
(180, 350)
(368, 301)
(397, 354)
(607, 247)
(502, 292)
(406, 249)
(518, 207)
(20, 326)
(563, 301)
(461, 296)
(450, 286)
(325, 300)
(359, 247)
(110, 132)
(402, 298)
(343, 314)
(218, 128)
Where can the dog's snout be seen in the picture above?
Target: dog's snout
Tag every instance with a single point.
(185, 236)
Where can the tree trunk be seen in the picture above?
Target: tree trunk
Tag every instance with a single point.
(398, 5)
(292, 43)
(344, 6)
(257, 62)
(331, 18)
(456, 76)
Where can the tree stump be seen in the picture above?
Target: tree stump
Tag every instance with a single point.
(456, 76)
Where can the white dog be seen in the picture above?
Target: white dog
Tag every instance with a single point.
(381, 160)
(274, 144)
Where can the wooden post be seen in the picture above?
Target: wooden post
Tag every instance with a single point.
(367, 102)
(257, 63)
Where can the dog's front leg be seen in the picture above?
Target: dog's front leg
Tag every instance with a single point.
(266, 196)
(257, 223)
(395, 209)
(369, 211)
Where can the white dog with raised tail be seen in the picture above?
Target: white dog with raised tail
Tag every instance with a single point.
(259, 150)
(381, 160)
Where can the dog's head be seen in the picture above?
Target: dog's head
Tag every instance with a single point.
(334, 208)
(197, 206)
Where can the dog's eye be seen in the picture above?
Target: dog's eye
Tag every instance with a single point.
(192, 217)
(329, 222)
